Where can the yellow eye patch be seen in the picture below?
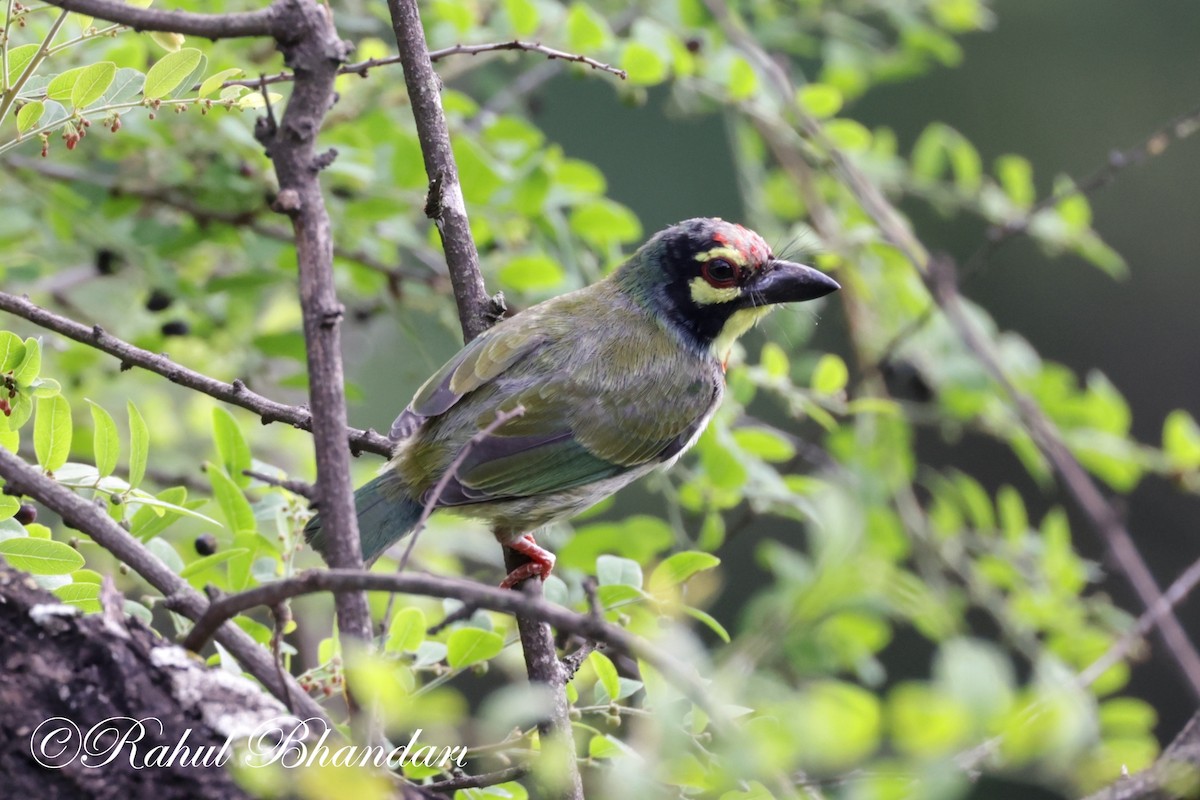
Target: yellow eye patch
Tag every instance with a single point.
(734, 255)
(704, 294)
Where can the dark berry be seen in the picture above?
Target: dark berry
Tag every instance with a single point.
(106, 262)
(158, 300)
(206, 544)
(693, 45)
(175, 327)
(26, 514)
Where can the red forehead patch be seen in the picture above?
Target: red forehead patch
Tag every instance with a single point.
(745, 241)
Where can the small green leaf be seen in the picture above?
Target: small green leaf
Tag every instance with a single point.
(9, 506)
(12, 351)
(643, 65)
(679, 567)
(234, 505)
(532, 273)
(231, 446)
(105, 440)
(1015, 174)
(63, 84)
(149, 521)
(830, 375)
(18, 60)
(168, 40)
(170, 71)
(587, 31)
(467, 646)
(523, 15)
(766, 444)
(617, 571)
(44, 387)
(85, 596)
(606, 671)
(709, 621)
(201, 564)
(92, 83)
(139, 445)
(52, 432)
(743, 81)
(1181, 440)
(774, 361)
(41, 556)
(31, 365)
(126, 86)
(820, 99)
(602, 223)
(848, 134)
(28, 116)
(407, 630)
(214, 81)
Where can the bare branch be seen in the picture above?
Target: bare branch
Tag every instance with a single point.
(264, 22)
(94, 521)
(362, 67)
(476, 781)
(234, 393)
(305, 490)
(445, 205)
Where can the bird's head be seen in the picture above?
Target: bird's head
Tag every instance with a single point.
(712, 280)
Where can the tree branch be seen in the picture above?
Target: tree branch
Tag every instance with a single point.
(94, 521)
(234, 393)
(314, 51)
(445, 205)
(264, 22)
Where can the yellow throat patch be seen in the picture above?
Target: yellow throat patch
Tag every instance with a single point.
(738, 323)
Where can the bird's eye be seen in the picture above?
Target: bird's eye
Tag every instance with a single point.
(719, 273)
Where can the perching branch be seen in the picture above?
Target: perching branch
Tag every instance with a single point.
(270, 21)
(362, 67)
(445, 205)
(234, 393)
(94, 521)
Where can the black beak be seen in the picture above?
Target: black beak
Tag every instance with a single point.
(785, 282)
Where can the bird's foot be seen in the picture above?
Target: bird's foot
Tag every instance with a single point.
(541, 562)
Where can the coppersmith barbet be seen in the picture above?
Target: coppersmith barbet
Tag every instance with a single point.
(615, 380)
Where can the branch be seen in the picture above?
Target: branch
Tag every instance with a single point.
(234, 393)
(314, 50)
(478, 595)
(362, 67)
(445, 205)
(269, 21)
(94, 521)
(476, 781)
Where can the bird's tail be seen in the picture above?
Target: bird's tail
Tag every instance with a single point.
(386, 513)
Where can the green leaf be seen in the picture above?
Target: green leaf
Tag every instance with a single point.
(214, 81)
(231, 446)
(170, 71)
(606, 671)
(149, 521)
(679, 567)
(28, 116)
(105, 440)
(234, 505)
(18, 60)
(587, 31)
(643, 65)
(709, 621)
(52, 432)
(1181, 440)
(126, 86)
(523, 15)
(617, 571)
(139, 445)
(12, 351)
(201, 564)
(31, 365)
(467, 646)
(407, 630)
(1015, 174)
(743, 81)
(532, 273)
(768, 445)
(41, 556)
(62, 85)
(85, 596)
(92, 83)
(848, 134)
(44, 387)
(602, 223)
(830, 375)
(820, 99)
(9, 506)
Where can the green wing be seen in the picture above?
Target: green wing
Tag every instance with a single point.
(595, 406)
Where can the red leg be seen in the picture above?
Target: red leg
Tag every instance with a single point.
(540, 565)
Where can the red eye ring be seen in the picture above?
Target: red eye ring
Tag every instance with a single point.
(720, 273)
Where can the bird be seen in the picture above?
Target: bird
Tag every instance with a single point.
(560, 405)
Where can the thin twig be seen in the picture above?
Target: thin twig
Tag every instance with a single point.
(234, 393)
(264, 22)
(362, 67)
(301, 488)
(476, 781)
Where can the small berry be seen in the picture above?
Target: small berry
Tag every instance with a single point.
(26, 514)
(205, 544)
(106, 262)
(175, 327)
(158, 300)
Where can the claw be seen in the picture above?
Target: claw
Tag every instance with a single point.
(541, 562)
